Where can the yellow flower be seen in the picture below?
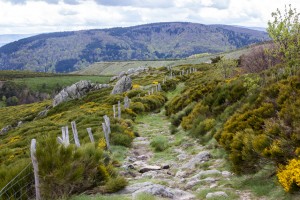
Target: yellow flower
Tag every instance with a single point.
(102, 143)
(289, 175)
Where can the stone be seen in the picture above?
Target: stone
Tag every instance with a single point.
(123, 85)
(226, 174)
(166, 167)
(182, 156)
(19, 123)
(149, 174)
(191, 184)
(5, 129)
(142, 157)
(156, 190)
(180, 174)
(76, 90)
(147, 168)
(200, 157)
(205, 173)
(216, 194)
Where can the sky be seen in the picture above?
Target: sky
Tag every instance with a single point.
(40, 16)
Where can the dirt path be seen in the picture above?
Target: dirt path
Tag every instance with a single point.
(185, 170)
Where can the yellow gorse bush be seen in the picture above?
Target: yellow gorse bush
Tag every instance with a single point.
(289, 175)
(102, 144)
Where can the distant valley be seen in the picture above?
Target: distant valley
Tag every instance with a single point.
(65, 52)
(8, 38)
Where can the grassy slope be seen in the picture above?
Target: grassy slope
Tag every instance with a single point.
(114, 68)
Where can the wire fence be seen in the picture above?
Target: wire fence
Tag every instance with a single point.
(21, 187)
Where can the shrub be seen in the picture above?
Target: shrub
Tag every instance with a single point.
(160, 143)
(67, 170)
(121, 139)
(115, 184)
(137, 107)
(289, 176)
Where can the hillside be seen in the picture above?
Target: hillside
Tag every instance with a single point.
(115, 67)
(70, 51)
(8, 38)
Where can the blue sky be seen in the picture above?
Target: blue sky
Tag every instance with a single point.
(38, 16)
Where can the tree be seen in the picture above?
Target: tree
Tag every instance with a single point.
(227, 66)
(285, 32)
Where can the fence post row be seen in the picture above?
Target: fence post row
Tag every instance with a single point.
(35, 169)
(75, 134)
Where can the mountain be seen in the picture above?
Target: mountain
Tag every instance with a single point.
(70, 51)
(8, 38)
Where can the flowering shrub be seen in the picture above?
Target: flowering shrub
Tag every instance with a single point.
(289, 175)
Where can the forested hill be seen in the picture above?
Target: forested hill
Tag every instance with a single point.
(70, 51)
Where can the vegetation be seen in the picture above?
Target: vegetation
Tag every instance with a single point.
(70, 51)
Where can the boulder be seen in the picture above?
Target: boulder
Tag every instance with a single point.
(200, 157)
(123, 85)
(216, 194)
(76, 90)
(5, 129)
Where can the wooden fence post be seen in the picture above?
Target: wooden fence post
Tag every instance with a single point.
(89, 130)
(107, 123)
(105, 130)
(119, 110)
(75, 134)
(114, 109)
(159, 87)
(126, 102)
(35, 169)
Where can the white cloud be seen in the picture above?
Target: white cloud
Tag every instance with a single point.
(36, 16)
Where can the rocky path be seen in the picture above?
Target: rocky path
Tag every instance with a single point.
(185, 170)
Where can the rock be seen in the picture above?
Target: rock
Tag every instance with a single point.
(209, 180)
(182, 156)
(191, 184)
(205, 173)
(19, 123)
(5, 129)
(200, 157)
(42, 113)
(122, 73)
(226, 174)
(166, 167)
(142, 157)
(113, 78)
(150, 174)
(180, 174)
(156, 190)
(147, 168)
(130, 167)
(76, 90)
(216, 194)
(123, 85)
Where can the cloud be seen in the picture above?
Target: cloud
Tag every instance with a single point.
(66, 12)
(137, 3)
(220, 4)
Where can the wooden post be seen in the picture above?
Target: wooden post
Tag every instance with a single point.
(35, 169)
(152, 90)
(119, 110)
(159, 87)
(107, 123)
(75, 134)
(149, 93)
(126, 102)
(67, 140)
(106, 135)
(114, 109)
(89, 130)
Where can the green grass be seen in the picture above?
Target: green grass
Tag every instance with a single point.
(177, 91)
(49, 84)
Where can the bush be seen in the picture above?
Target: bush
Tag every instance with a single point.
(68, 170)
(121, 139)
(115, 184)
(289, 176)
(160, 143)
